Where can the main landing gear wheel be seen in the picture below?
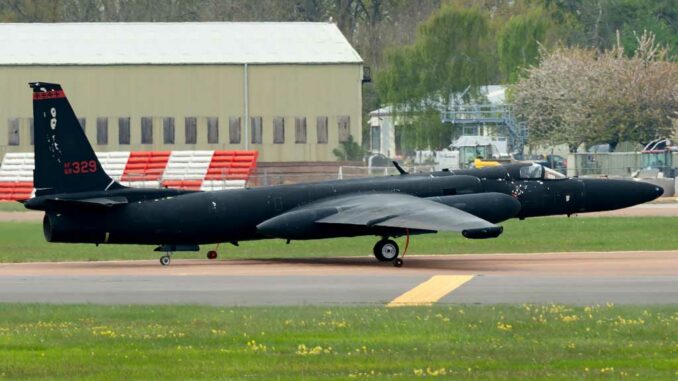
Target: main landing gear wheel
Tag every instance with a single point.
(386, 250)
(165, 260)
(212, 254)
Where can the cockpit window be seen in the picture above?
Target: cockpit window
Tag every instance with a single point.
(550, 174)
(531, 172)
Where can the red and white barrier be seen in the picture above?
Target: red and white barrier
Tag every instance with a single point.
(194, 170)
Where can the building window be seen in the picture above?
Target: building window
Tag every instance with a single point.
(83, 123)
(31, 129)
(321, 124)
(344, 124)
(146, 130)
(256, 130)
(123, 131)
(278, 130)
(234, 130)
(473, 131)
(300, 130)
(191, 129)
(102, 131)
(13, 132)
(213, 130)
(168, 130)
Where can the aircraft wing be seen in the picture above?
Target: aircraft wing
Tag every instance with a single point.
(401, 211)
(390, 210)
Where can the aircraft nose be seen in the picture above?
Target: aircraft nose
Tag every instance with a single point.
(646, 192)
(603, 194)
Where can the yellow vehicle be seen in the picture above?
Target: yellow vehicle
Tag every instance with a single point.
(480, 163)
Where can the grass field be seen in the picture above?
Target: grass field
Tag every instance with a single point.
(41, 342)
(23, 241)
(12, 207)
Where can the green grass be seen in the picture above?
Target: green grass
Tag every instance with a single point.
(42, 342)
(23, 241)
(12, 207)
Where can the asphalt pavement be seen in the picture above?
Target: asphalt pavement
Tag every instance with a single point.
(571, 278)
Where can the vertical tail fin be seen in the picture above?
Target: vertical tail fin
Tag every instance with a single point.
(64, 160)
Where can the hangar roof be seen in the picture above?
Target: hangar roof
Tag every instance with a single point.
(174, 43)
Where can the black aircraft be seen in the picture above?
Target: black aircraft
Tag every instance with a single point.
(83, 204)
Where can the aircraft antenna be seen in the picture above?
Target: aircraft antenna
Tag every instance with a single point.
(399, 168)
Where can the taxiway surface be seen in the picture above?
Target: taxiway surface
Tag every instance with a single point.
(572, 278)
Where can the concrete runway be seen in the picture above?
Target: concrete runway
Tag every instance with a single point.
(572, 278)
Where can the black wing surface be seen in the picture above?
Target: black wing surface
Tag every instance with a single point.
(375, 210)
(399, 211)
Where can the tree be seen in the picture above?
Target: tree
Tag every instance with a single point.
(599, 21)
(349, 150)
(632, 17)
(578, 95)
(451, 52)
(551, 98)
(519, 39)
(642, 97)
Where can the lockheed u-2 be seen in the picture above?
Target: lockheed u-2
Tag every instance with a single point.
(83, 204)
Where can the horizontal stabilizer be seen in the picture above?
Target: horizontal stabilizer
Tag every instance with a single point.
(97, 202)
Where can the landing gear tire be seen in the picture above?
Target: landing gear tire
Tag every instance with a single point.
(386, 250)
(212, 254)
(398, 262)
(165, 260)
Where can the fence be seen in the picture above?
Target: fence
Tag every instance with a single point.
(263, 177)
(624, 164)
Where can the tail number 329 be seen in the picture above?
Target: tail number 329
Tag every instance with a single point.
(79, 167)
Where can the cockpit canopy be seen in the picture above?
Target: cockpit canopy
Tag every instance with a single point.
(538, 172)
(513, 171)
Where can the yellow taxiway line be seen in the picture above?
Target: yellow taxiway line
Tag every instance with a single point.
(430, 291)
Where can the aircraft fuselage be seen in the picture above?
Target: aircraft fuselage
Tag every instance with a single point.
(233, 215)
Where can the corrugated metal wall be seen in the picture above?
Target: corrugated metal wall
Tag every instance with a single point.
(194, 91)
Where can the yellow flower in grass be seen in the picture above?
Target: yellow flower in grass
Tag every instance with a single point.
(504, 326)
(436, 372)
(621, 321)
(254, 347)
(303, 350)
(104, 333)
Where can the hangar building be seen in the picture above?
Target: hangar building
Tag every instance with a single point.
(291, 91)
